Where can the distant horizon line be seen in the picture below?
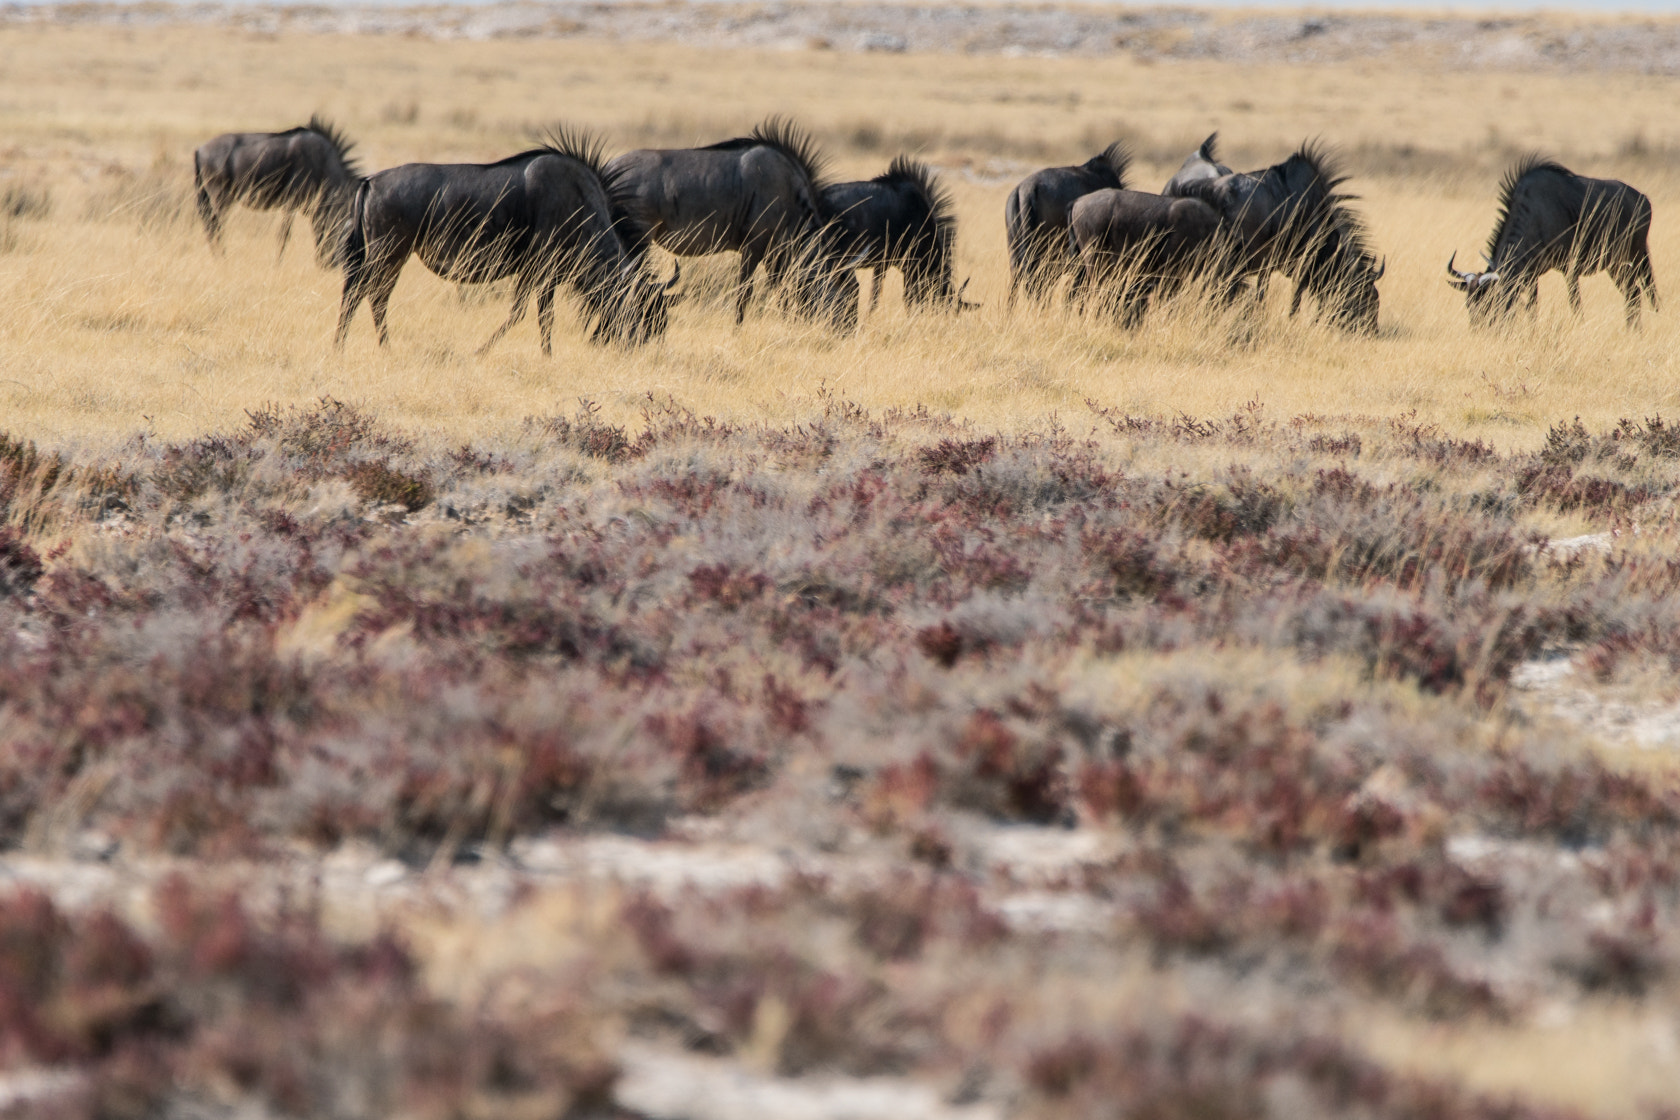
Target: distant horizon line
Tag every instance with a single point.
(1367, 7)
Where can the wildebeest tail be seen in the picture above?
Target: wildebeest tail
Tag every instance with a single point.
(354, 250)
(206, 212)
(353, 254)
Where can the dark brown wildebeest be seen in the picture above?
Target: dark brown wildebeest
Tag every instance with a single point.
(1036, 217)
(545, 217)
(1138, 245)
(1550, 217)
(759, 195)
(307, 168)
(1289, 218)
(1203, 163)
(901, 219)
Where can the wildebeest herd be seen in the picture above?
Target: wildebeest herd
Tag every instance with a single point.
(561, 214)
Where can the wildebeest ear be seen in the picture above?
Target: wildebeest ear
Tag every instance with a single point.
(1460, 285)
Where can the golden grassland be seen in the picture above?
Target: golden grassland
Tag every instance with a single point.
(116, 316)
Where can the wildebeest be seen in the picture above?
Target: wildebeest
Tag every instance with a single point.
(759, 195)
(900, 219)
(1203, 163)
(1037, 212)
(1139, 244)
(548, 216)
(308, 168)
(1289, 218)
(1550, 217)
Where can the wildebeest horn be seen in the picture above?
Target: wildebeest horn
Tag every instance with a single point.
(676, 274)
(1460, 280)
(1485, 260)
(965, 304)
(1382, 267)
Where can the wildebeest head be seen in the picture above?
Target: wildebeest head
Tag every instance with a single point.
(1321, 240)
(640, 309)
(820, 280)
(1485, 296)
(1199, 165)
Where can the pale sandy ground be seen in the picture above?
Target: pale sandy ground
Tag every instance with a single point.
(1551, 41)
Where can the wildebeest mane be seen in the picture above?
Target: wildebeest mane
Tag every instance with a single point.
(342, 144)
(907, 169)
(1519, 171)
(785, 136)
(587, 148)
(1118, 159)
(1329, 206)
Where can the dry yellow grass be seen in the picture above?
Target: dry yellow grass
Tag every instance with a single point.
(114, 315)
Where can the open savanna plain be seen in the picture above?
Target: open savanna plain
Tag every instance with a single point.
(993, 716)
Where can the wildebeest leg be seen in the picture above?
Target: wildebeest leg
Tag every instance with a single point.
(1261, 278)
(379, 299)
(750, 255)
(521, 296)
(1295, 300)
(545, 318)
(1627, 279)
(1642, 273)
(876, 275)
(375, 282)
(1573, 283)
(1134, 298)
(1077, 288)
(285, 235)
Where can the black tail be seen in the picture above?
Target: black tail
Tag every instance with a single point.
(1021, 225)
(354, 254)
(206, 212)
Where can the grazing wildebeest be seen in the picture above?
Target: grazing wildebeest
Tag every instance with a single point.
(1203, 163)
(545, 217)
(759, 195)
(1289, 218)
(306, 168)
(901, 218)
(1549, 217)
(1036, 217)
(1139, 244)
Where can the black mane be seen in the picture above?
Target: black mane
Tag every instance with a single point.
(1524, 167)
(788, 138)
(341, 143)
(1331, 208)
(1117, 159)
(915, 173)
(589, 149)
